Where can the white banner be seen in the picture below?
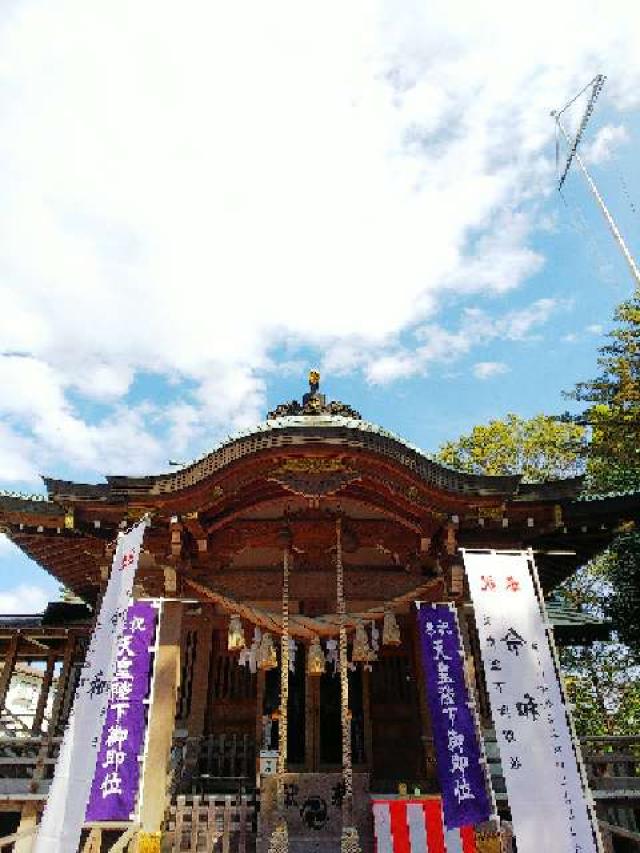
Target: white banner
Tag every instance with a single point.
(549, 804)
(64, 814)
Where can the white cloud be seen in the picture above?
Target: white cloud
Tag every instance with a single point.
(17, 455)
(595, 328)
(185, 190)
(607, 139)
(439, 345)
(517, 325)
(488, 369)
(5, 545)
(24, 598)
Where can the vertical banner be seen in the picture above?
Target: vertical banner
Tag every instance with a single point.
(61, 825)
(116, 781)
(548, 800)
(455, 736)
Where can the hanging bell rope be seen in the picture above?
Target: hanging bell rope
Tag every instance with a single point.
(284, 679)
(349, 841)
(279, 841)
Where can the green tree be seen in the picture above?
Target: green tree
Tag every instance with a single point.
(602, 680)
(603, 686)
(613, 463)
(614, 405)
(540, 448)
(623, 570)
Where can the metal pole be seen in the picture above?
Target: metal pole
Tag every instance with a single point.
(635, 272)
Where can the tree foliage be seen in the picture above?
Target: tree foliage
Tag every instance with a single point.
(540, 448)
(603, 687)
(602, 679)
(614, 405)
(614, 456)
(623, 570)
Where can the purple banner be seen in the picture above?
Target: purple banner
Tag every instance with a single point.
(462, 780)
(114, 789)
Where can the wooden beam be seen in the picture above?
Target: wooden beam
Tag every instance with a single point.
(45, 688)
(6, 840)
(26, 830)
(162, 713)
(63, 683)
(8, 669)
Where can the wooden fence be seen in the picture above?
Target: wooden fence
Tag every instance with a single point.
(214, 764)
(213, 824)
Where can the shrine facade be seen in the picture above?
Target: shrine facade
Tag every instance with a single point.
(312, 485)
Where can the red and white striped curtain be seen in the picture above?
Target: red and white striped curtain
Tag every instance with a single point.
(416, 826)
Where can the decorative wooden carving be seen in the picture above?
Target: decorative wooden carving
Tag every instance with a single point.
(313, 476)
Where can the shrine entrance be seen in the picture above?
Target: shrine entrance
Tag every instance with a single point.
(325, 738)
(314, 740)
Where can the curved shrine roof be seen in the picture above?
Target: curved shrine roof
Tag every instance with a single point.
(304, 431)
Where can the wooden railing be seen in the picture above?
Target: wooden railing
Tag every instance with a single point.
(119, 839)
(213, 824)
(214, 764)
(613, 771)
(26, 764)
(614, 835)
(613, 766)
(7, 841)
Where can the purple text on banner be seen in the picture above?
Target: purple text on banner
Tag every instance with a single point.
(462, 780)
(115, 784)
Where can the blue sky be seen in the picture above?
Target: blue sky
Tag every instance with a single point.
(199, 206)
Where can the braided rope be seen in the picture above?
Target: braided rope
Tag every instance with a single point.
(284, 680)
(347, 768)
(349, 842)
(308, 627)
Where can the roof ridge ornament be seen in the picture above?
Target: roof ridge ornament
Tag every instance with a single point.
(314, 403)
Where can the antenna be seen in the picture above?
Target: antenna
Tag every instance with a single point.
(596, 87)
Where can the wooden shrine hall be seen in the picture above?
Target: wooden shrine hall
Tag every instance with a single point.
(317, 483)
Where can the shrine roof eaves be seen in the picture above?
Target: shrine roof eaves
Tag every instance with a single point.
(283, 433)
(292, 431)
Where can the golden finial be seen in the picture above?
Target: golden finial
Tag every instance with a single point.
(314, 378)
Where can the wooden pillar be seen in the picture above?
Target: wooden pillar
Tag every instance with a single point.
(366, 713)
(311, 723)
(63, 683)
(200, 674)
(8, 669)
(162, 712)
(45, 687)
(260, 679)
(28, 821)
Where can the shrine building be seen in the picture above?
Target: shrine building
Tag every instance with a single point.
(313, 484)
